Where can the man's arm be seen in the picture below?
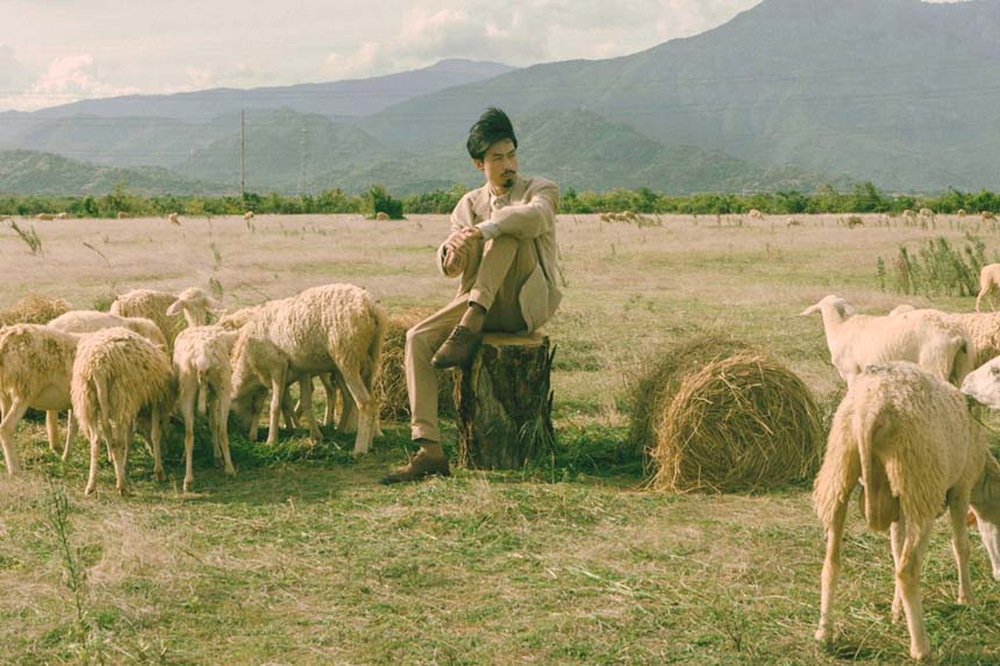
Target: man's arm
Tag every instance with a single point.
(527, 220)
(461, 218)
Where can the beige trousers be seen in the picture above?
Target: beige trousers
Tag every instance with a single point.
(501, 270)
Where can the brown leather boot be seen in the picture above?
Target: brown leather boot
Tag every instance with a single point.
(457, 349)
(420, 466)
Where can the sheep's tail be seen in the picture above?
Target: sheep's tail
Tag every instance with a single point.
(104, 406)
(881, 508)
(202, 364)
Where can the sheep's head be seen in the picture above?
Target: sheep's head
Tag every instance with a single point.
(983, 384)
(194, 303)
(828, 303)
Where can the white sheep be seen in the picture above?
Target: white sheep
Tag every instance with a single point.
(116, 374)
(45, 217)
(36, 364)
(203, 367)
(989, 282)
(960, 212)
(381, 216)
(172, 218)
(792, 222)
(62, 216)
(331, 328)
(122, 215)
(909, 215)
(857, 340)
(987, 215)
(755, 214)
(247, 216)
(982, 328)
(168, 311)
(911, 439)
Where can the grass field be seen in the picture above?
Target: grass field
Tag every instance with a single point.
(303, 558)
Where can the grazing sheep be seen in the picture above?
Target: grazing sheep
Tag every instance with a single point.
(247, 216)
(987, 215)
(960, 212)
(36, 364)
(203, 367)
(331, 328)
(195, 304)
(381, 216)
(172, 218)
(909, 216)
(46, 217)
(857, 340)
(792, 222)
(62, 216)
(911, 439)
(116, 374)
(989, 282)
(607, 217)
(755, 214)
(982, 328)
(123, 215)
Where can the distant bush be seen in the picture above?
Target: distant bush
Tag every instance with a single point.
(940, 268)
(380, 201)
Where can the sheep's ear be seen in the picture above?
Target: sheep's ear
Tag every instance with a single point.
(809, 310)
(845, 309)
(175, 308)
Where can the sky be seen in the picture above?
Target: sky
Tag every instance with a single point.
(59, 51)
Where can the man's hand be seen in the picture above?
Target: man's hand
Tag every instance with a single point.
(457, 248)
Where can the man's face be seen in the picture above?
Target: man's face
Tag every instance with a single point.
(500, 165)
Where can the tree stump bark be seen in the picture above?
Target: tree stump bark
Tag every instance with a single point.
(504, 403)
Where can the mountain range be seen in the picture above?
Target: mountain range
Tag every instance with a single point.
(786, 95)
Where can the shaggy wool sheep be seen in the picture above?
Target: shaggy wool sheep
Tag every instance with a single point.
(168, 311)
(45, 217)
(194, 304)
(918, 451)
(755, 214)
(982, 328)
(36, 364)
(857, 340)
(116, 374)
(332, 328)
(172, 219)
(989, 282)
(247, 216)
(62, 216)
(960, 212)
(987, 215)
(203, 367)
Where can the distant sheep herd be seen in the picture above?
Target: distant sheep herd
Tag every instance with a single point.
(903, 429)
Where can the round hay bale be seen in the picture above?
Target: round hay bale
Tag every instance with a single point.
(652, 389)
(742, 423)
(390, 383)
(34, 309)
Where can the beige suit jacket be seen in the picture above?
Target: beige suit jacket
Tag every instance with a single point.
(530, 215)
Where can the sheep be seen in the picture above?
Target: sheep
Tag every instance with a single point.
(857, 340)
(960, 212)
(909, 216)
(166, 309)
(45, 217)
(36, 363)
(247, 216)
(4, 218)
(792, 222)
(331, 328)
(926, 212)
(62, 216)
(116, 374)
(755, 214)
(987, 215)
(989, 281)
(381, 216)
(172, 219)
(983, 329)
(606, 217)
(203, 368)
(122, 215)
(917, 449)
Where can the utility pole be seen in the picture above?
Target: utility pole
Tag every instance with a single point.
(243, 154)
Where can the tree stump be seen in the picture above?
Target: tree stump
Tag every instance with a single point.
(504, 403)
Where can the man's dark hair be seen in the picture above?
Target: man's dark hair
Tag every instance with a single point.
(492, 126)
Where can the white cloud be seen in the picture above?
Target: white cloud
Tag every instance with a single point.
(67, 79)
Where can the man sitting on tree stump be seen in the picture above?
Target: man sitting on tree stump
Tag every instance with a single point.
(503, 245)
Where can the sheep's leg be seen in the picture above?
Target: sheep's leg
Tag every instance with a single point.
(187, 412)
(348, 423)
(831, 570)
(366, 410)
(71, 427)
(118, 451)
(277, 396)
(95, 452)
(289, 411)
(306, 398)
(12, 416)
(979, 298)
(156, 434)
(222, 405)
(213, 430)
(326, 379)
(52, 429)
(959, 511)
(908, 581)
(897, 532)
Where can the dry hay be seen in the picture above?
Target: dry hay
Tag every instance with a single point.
(742, 423)
(652, 388)
(34, 309)
(390, 384)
